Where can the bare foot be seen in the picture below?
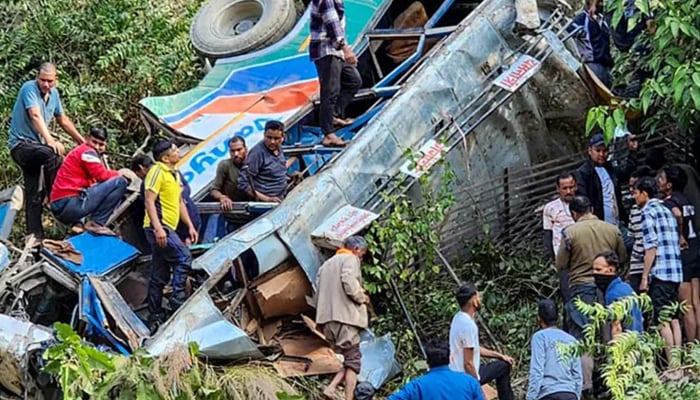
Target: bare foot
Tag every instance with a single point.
(329, 393)
(332, 140)
(342, 121)
(97, 229)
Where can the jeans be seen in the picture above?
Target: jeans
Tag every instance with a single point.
(498, 371)
(339, 83)
(31, 158)
(174, 256)
(97, 201)
(577, 321)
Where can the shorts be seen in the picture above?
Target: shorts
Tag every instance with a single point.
(346, 341)
(691, 264)
(662, 294)
(635, 280)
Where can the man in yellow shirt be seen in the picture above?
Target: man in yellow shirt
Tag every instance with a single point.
(164, 209)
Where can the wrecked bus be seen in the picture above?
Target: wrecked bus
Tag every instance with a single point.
(452, 81)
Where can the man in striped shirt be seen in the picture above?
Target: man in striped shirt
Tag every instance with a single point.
(663, 271)
(634, 276)
(335, 64)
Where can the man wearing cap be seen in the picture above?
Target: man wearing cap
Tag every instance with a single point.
(164, 209)
(596, 179)
(84, 187)
(341, 309)
(465, 351)
(32, 146)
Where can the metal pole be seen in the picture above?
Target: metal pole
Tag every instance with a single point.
(407, 314)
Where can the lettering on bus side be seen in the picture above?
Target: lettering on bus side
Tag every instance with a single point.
(202, 160)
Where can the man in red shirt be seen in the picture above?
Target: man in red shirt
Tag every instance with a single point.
(85, 187)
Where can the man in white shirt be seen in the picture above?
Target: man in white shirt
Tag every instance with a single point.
(465, 351)
(555, 217)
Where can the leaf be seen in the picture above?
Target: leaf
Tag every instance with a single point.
(590, 121)
(674, 28)
(646, 100)
(695, 94)
(696, 78)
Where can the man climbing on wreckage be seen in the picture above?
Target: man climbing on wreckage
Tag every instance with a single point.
(341, 310)
(164, 209)
(85, 187)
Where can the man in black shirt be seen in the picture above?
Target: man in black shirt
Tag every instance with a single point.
(671, 181)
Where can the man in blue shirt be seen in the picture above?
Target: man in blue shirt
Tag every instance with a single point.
(552, 377)
(31, 144)
(663, 270)
(440, 383)
(264, 175)
(605, 274)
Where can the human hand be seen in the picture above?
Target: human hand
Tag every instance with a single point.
(644, 284)
(350, 57)
(56, 146)
(507, 359)
(226, 203)
(194, 235)
(161, 237)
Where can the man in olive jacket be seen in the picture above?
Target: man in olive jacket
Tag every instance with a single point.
(581, 244)
(341, 309)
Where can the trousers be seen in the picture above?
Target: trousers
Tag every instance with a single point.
(175, 257)
(97, 201)
(339, 83)
(32, 158)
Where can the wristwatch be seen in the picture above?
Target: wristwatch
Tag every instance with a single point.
(340, 45)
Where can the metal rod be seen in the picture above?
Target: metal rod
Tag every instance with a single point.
(407, 314)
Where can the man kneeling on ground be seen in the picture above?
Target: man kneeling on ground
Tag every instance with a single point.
(440, 383)
(465, 351)
(84, 187)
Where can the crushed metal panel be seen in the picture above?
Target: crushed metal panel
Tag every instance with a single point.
(306, 355)
(11, 200)
(126, 322)
(345, 222)
(199, 321)
(560, 50)
(517, 74)
(283, 293)
(16, 339)
(223, 341)
(378, 359)
(527, 13)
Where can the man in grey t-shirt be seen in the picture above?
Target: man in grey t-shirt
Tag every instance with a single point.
(264, 176)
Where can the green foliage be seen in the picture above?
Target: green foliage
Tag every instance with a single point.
(82, 370)
(629, 368)
(673, 91)
(510, 284)
(605, 119)
(408, 234)
(109, 54)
